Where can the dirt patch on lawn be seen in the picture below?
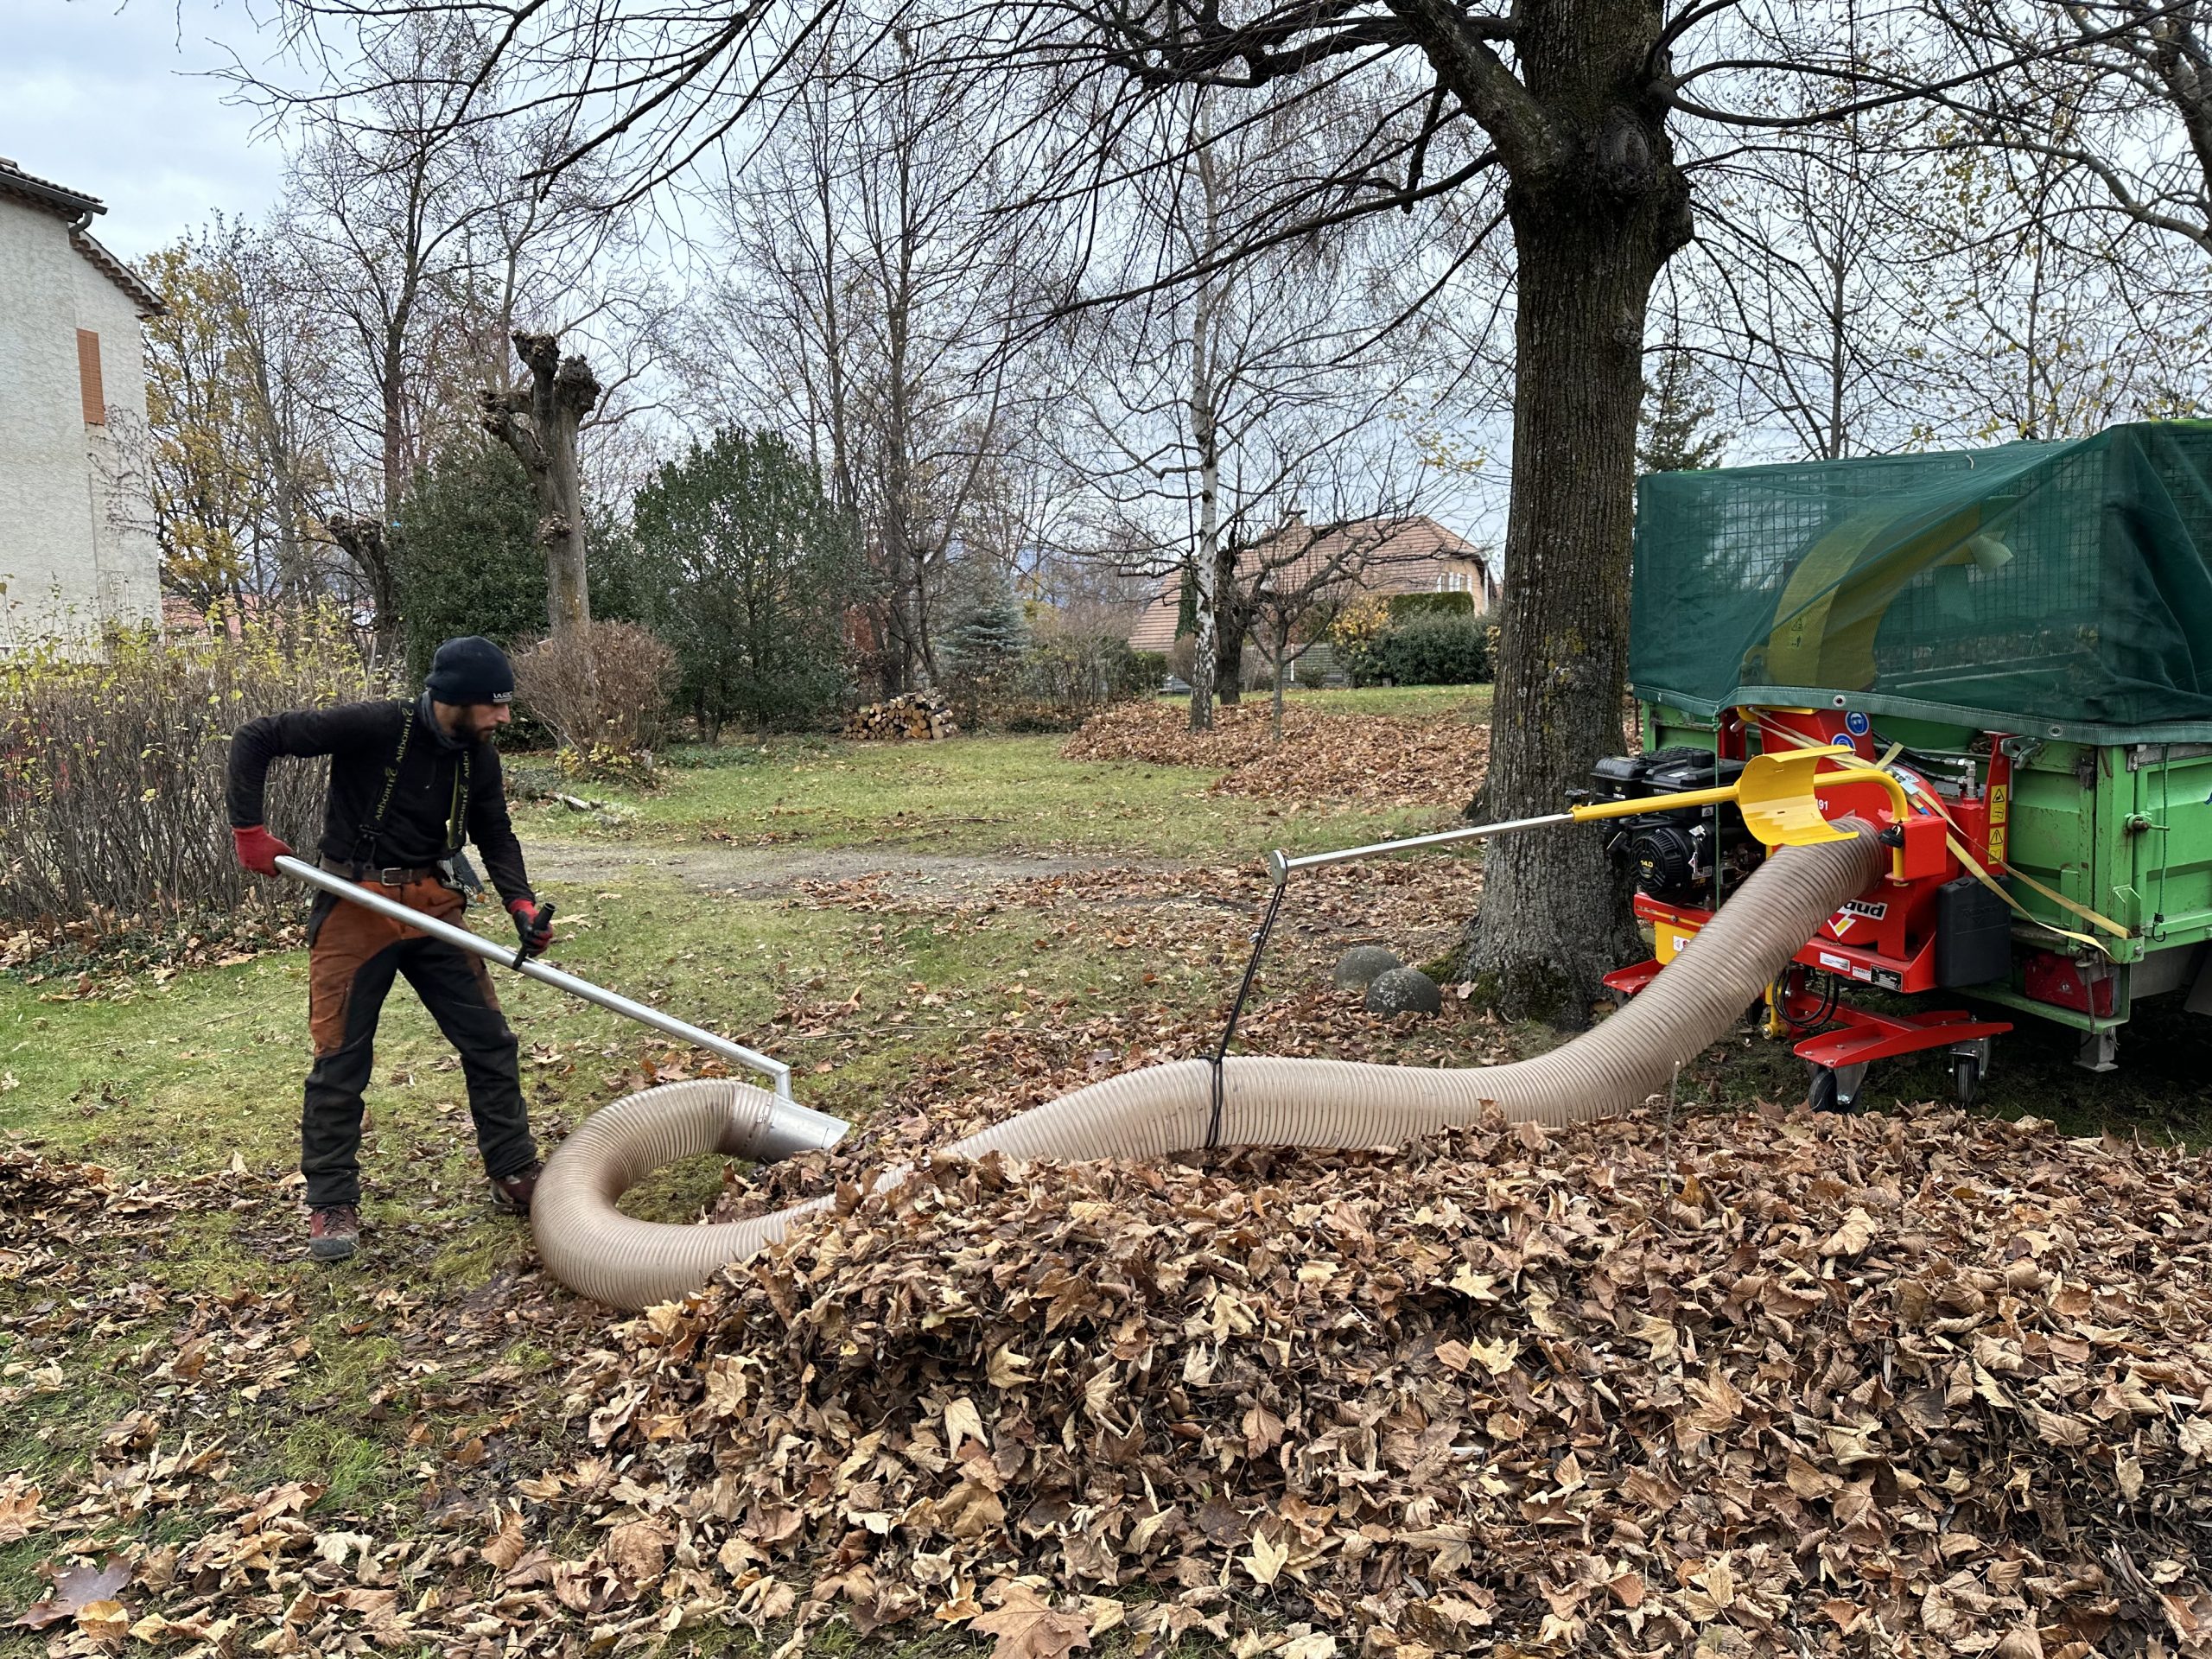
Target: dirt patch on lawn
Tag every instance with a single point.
(779, 872)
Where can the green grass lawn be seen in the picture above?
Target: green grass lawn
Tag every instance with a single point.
(972, 795)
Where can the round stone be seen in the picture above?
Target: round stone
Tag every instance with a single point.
(1404, 990)
(1356, 968)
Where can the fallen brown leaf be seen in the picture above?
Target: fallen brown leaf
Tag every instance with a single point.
(1028, 1627)
(76, 1588)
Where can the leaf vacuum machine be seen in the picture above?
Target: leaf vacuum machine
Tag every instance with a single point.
(2003, 659)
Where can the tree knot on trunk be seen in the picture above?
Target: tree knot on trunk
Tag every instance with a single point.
(575, 386)
(1621, 154)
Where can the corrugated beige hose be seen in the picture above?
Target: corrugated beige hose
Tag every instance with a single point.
(597, 1251)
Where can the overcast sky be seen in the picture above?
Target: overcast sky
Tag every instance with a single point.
(113, 100)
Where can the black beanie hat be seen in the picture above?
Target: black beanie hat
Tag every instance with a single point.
(470, 670)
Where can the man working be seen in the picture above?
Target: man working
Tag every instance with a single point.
(408, 782)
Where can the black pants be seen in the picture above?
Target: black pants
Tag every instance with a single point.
(354, 956)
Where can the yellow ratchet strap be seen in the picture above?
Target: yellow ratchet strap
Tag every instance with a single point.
(1975, 868)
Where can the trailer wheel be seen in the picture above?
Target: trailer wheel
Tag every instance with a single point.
(1966, 1077)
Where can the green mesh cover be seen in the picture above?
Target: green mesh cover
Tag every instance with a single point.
(2053, 589)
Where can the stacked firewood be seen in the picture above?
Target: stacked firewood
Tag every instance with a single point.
(911, 715)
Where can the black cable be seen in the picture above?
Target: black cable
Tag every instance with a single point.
(1237, 1009)
(1830, 995)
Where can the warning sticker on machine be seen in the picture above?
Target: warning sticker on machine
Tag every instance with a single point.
(1840, 964)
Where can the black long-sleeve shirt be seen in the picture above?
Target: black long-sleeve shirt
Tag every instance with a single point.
(361, 740)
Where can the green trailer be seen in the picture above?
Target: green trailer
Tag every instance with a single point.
(2045, 606)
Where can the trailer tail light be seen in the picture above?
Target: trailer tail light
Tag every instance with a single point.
(2050, 977)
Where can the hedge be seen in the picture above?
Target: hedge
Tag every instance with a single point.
(1432, 650)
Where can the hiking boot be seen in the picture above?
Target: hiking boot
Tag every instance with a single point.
(512, 1193)
(333, 1231)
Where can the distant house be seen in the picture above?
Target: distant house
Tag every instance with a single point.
(77, 548)
(1411, 556)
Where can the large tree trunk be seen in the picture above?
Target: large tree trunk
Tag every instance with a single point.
(1589, 248)
(540, 423)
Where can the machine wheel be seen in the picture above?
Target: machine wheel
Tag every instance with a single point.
(1820, 1096)
(1966, 1077)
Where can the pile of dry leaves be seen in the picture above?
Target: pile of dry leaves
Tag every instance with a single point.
(1380, 758)
(1913, 1384)
(1909, 1384)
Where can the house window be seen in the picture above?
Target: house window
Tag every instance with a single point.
(1456, 582)
(88, 378)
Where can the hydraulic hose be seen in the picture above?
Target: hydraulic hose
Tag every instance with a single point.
(593, 1248)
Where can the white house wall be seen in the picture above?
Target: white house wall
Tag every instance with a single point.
(76, 546)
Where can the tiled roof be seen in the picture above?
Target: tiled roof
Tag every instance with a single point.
(15, 180)
(78, 208)
(142, 295)
(1376, 556)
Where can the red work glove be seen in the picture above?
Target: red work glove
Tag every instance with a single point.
(533, 923)
(258, 850)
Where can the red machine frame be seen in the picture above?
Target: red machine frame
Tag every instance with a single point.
(1886, 937)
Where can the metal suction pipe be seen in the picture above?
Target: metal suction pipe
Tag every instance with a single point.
(1280, 865)
(795, 1128)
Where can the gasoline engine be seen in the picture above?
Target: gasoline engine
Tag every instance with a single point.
(1684, 856)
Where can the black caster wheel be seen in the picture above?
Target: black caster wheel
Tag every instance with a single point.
(1966, 1077)
(1820, 1096)
(1834, 1090)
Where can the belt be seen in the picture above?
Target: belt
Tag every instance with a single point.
(391, 875)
